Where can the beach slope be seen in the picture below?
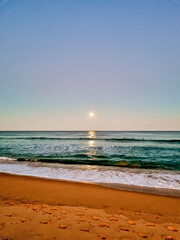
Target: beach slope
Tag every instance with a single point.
(37, 208)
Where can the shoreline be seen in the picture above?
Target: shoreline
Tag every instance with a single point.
(41, 208)
(61, 184)
(162, 182)
(117, 186)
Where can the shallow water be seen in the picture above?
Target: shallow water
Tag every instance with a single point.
(136, 158)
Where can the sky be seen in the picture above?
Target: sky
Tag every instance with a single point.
(60, 60)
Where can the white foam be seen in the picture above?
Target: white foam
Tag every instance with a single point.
(7, 159)
(96, 174)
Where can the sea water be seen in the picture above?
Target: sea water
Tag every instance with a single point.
(150, 159)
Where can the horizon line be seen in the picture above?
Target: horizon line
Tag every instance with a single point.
(89, 130)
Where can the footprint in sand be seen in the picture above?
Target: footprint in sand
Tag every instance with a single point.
(150, 224)
(63, 226)
(85, 229)
(114, 219)
(143, 235)
(54, 209)
(139, 213)
(64, 212)
(44, 206)
(79, 214)
(131, 222)
(24, 220)
(96, 218)
(44, 222)
(81, 220)
(172, 228)
(36, 209)
(124, 229)
(47, 212)
(101, 236)
(103, 225)
(28, 205)
(169, 238)
(119, 212)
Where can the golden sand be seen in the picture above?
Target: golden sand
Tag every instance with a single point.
(35, 208)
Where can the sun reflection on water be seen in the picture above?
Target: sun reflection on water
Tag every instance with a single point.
(91, 134)
(89, 167)
(91, 143)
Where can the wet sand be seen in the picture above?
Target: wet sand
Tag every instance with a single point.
(37, 208)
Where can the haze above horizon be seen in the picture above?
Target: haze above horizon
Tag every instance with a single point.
(95, 65)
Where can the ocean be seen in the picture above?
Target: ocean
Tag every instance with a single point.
(149, 159)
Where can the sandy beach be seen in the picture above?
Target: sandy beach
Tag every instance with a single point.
(89, 120)
(37, 208)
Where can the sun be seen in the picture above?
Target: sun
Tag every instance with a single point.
(91, 114)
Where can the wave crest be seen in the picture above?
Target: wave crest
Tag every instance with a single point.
(95, 139)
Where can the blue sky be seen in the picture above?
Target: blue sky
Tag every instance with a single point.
(61, 59)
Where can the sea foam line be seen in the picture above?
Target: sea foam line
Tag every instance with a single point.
(96, 174)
